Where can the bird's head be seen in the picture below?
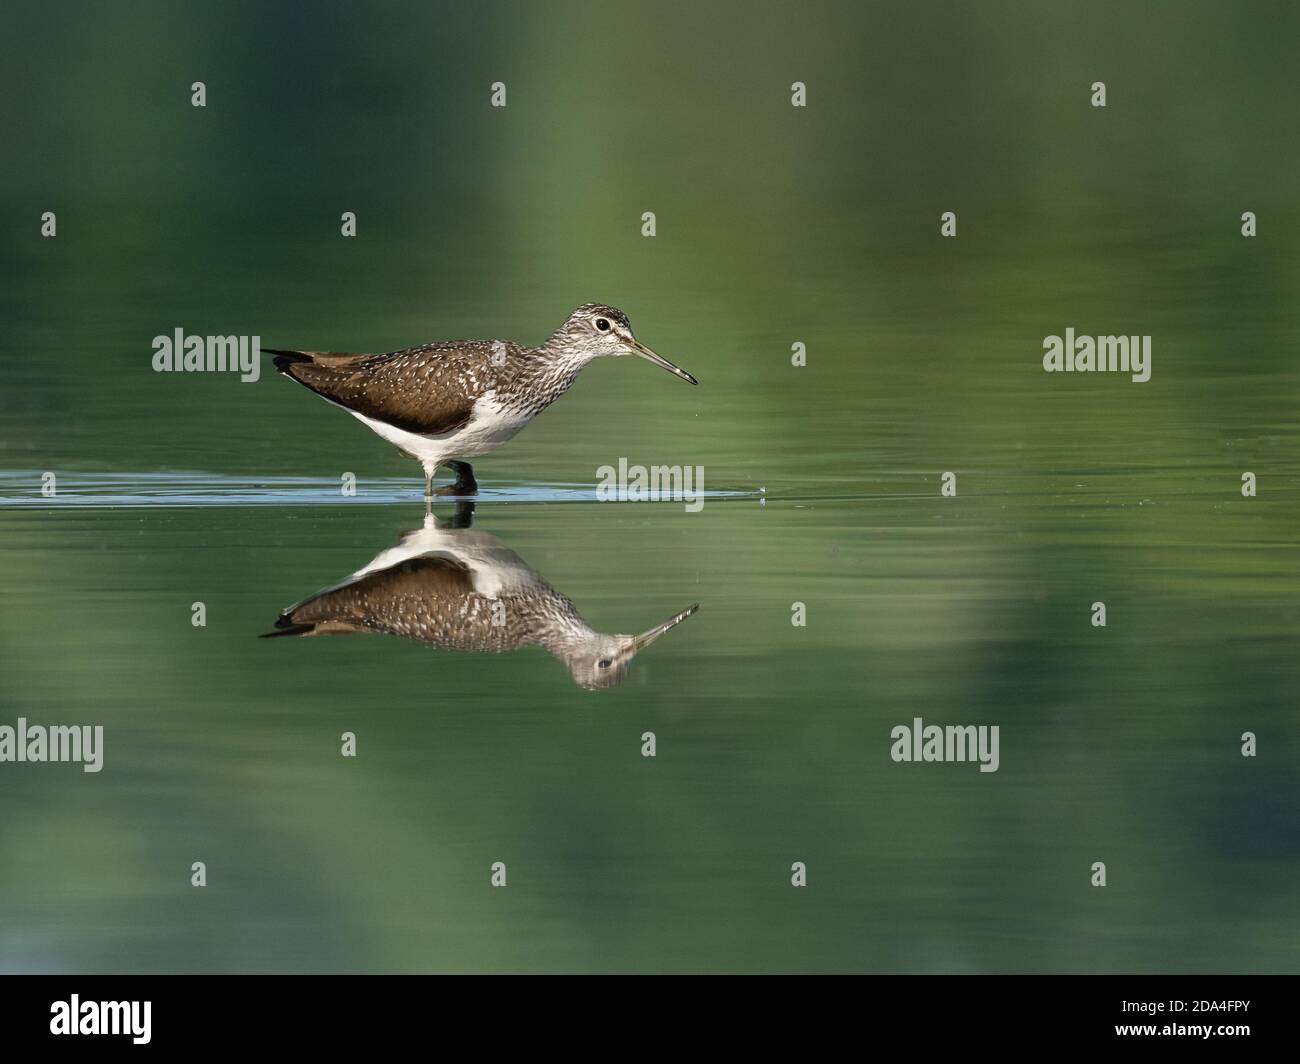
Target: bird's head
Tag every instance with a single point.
(601, 661)
(595, 330)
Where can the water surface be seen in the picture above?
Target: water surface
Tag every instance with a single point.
(1119, 744)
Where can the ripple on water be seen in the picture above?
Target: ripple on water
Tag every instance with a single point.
(22, 489)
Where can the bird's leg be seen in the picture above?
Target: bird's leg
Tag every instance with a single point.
(465, 482)
(464, 515)
(428, 483)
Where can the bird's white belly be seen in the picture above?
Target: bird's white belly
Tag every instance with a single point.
(494, 569)
(490, 425)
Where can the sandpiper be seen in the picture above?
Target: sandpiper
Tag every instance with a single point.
(449, 586)
(444, 402)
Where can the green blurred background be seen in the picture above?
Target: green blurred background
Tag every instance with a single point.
(775, 225)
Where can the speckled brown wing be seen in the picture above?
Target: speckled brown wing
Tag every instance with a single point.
(419, 598)
(429, 390)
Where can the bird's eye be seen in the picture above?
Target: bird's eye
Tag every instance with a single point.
(603, 663)
(602, 325)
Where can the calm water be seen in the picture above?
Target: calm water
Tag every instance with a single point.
(1118, 744)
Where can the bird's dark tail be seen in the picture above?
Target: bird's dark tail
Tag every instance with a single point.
(285, 626)
(284, 359)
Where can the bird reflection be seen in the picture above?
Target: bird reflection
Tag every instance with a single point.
(450, 585)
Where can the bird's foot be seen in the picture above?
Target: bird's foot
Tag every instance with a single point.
(465, 483)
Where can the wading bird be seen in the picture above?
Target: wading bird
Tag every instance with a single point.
(448, 585)
(445, 402)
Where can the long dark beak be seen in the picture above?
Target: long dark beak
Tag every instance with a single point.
(640, 642)
(639, 348)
